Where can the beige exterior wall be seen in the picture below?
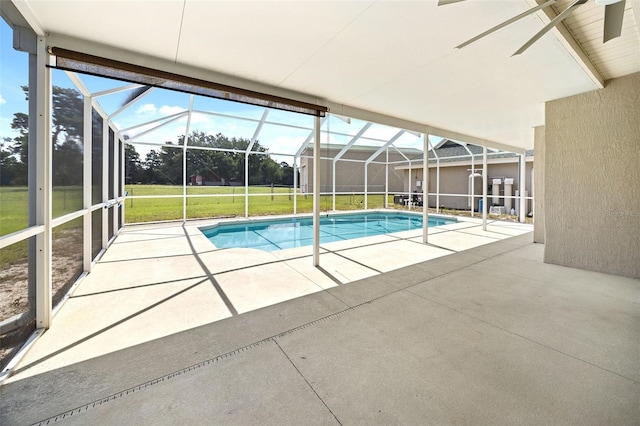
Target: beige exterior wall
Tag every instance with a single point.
(350, 174)
(538, 186)
(455, 180)
(454, 177)
(592, 179)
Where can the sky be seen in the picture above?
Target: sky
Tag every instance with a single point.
(13, 74)
(159, 103)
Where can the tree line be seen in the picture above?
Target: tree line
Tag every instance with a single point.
(66, 138)
(206, 166)
(160, 166)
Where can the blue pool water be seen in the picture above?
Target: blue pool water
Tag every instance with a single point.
(278, 234)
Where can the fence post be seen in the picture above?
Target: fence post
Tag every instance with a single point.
(272, 191)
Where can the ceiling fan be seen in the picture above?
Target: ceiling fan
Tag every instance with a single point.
(613, 14)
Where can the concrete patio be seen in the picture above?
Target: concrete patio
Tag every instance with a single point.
(471, 329)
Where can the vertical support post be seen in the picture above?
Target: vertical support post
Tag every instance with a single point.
(410, 187)
(105, 182)
(86, 183)
(246, 184)
(184, 179)
(295, 184)
(316, 192)
(386, 181)
(254, 138)
(43, 180)
(116, 175)
(366, 187)
(435, 154)
(484, 188)
(522, 187)
(333, 178)
(473, 183)
(122, 180)
(184, 160)
(425, 188)
(438, 185)
(33, 176)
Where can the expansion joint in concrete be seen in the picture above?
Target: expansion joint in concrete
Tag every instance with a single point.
(192, 368)
(306, 381)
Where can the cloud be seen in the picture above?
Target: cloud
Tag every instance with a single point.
(2, 100)
(169, 110)
(147, 109)
(199, 119)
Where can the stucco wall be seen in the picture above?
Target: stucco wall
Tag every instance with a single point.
(592, 179)
(350, 175)
(455, 180)
(538, 187)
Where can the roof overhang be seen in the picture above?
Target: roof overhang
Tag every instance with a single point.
(389, 62)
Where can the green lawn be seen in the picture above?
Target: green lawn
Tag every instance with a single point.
(14, 215)
(14, 201)
(227, 202)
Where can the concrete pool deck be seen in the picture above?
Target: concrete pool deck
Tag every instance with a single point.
(168, 329)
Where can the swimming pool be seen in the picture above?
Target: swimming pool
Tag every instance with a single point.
(279, 234)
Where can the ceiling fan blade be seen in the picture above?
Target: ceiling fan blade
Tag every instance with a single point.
(505, 23)
(550, 25)
(613, 14)
(446, 2)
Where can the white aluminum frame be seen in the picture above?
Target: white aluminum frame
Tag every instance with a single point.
(316, 193)
(339, 155)
(425, 189)
(185, 143)
(43, 199)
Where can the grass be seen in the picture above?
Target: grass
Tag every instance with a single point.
(228, 201)
(205, 202)
(14, 216)
(14, 205)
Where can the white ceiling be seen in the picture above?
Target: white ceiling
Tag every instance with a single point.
(395, 58)
(618, 57)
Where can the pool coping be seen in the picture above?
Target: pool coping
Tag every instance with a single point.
(339, 213)
(237, 219)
